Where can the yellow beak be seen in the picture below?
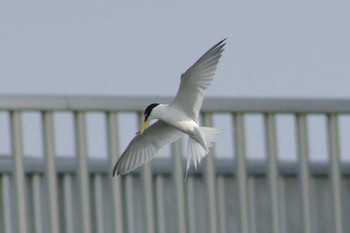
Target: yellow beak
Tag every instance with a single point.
(144, 126)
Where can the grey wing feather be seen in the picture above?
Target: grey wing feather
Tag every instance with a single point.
(143, 148)
(196, 80)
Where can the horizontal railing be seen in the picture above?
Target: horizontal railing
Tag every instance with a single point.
(213, 104)
(223, 166)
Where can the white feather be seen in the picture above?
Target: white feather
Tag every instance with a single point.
(195, 151)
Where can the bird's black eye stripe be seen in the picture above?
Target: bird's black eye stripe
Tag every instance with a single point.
(149, 109)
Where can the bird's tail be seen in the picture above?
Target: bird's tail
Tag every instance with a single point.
(196, 151)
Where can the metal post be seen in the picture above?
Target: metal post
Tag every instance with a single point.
(37, 200)
(6, 200)
(160, 204)
(253, 210)
(115, 182)
(50, 170)
(271, 153)
(148, 187)
(129, 196)
(304, 172)
(18, 171)
(191, 205)
(68, 203)
(240, 154)
(178, 174)
(83, 173)
(335, 173)
(98, 191)
(210, 180)
(222, 203)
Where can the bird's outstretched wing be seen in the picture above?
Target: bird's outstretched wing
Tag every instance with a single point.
(143, 148)
(196, 80)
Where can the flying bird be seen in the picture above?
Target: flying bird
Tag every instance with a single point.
(176, 119)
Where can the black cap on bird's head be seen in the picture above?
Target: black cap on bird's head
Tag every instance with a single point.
(147, 113)
(149, 109)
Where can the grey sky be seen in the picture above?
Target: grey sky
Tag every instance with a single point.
(290, 49)
(296, 49)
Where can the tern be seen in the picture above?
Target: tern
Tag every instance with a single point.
(176, 119)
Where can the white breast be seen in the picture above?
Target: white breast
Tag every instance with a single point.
(178, 119)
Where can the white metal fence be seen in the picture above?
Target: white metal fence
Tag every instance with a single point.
(51, 193)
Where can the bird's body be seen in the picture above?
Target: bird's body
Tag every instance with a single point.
(176, 119)
(180, 120)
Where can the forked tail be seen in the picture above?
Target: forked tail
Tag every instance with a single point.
(196, 151)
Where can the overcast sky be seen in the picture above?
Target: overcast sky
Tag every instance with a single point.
(291, 49)
(274, 49)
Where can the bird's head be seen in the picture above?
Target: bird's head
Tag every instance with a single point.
(148, 116)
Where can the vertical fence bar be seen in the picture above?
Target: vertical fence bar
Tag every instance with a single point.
(271, 153)
(177, 156)
(283, 207)
(115, 183)
(6, 199)
(129, 196)
(253, 211)
(37, 208)
(83, 173)
(335, 172)
(160, 204)
(304, 172)
(148, 187)
(191, 205)
(210, 179)
(222, 204)
(18, 171)
(240, 154)
(50, 170)
(98, 191)
(68, 203)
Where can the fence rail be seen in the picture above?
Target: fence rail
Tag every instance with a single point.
(51, 193)
(108, 103)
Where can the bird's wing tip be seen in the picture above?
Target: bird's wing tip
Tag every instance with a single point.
(116, 170)
(222, 42)
(118, 173)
